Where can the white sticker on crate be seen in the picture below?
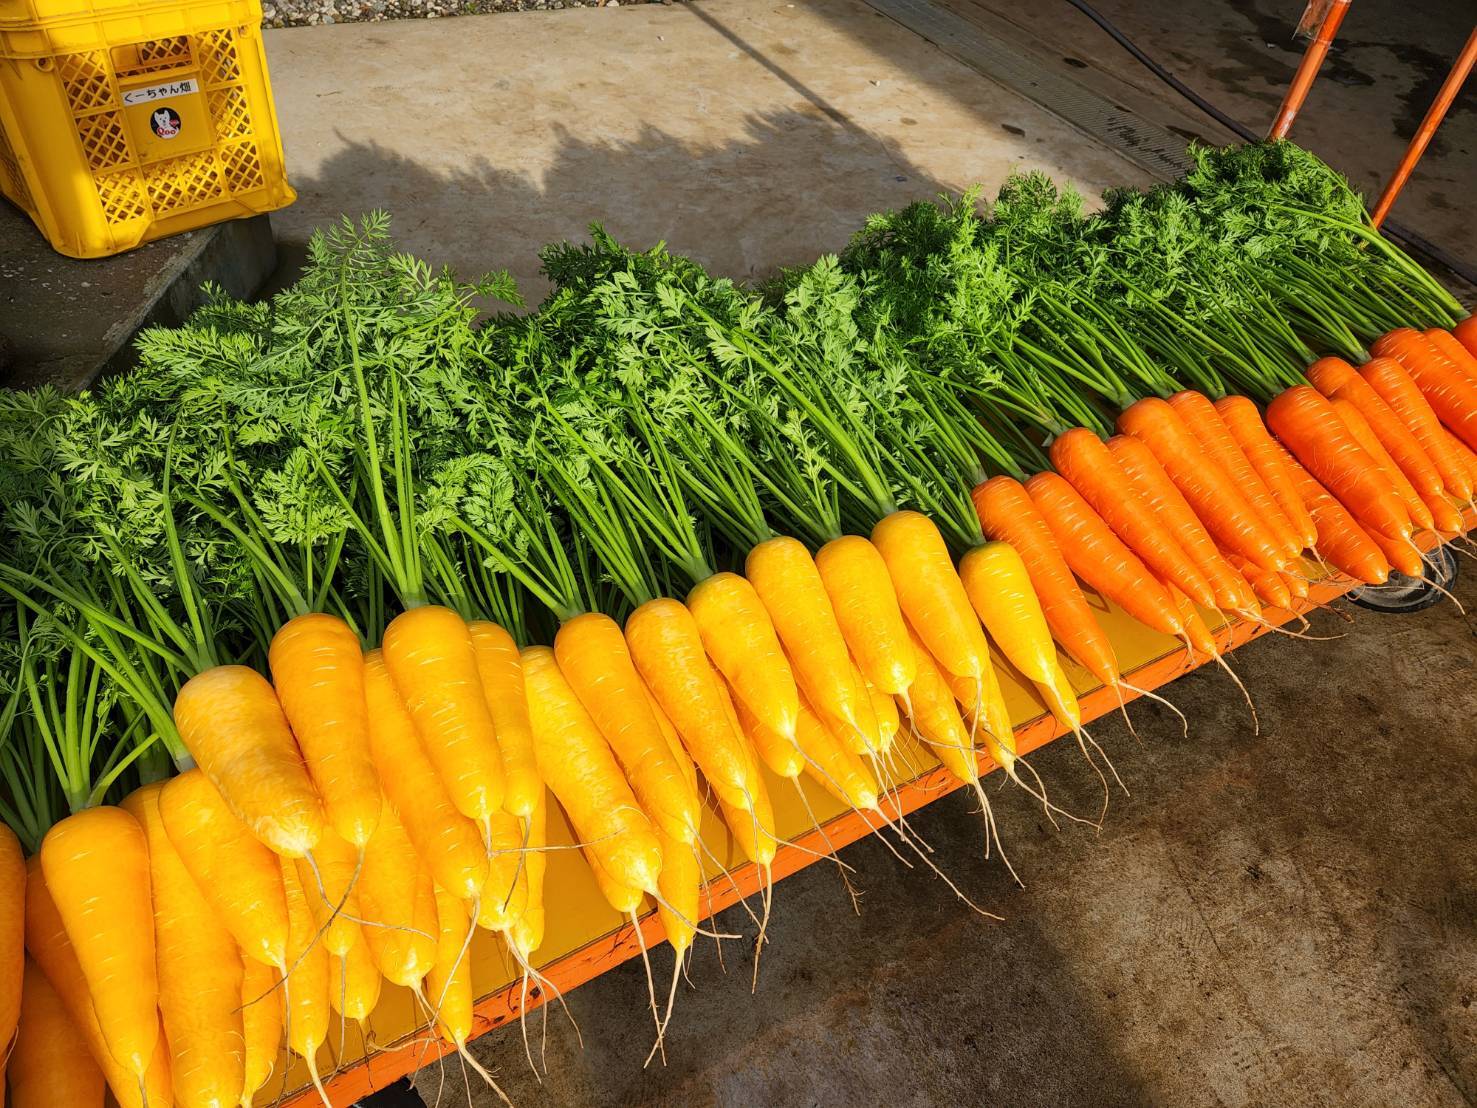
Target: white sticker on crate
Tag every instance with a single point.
(159, 92)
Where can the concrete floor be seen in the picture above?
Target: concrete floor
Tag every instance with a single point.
(1389, 59)
(1287, 919)
(750, 134)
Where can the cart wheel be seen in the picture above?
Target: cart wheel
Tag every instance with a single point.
(1411, 594)
(399, 1095)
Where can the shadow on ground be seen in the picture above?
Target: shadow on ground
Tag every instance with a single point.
(736, 207)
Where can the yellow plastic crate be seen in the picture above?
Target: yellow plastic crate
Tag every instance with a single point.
(125, 122)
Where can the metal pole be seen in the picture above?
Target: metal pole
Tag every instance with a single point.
(1307, 69)
(1427, 129)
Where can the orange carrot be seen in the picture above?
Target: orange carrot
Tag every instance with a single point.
(1394, 385)
(1444, 384)
(1245, 425)
(1098, 557)
(1465, 455)
(96, 864)
(1007, 514)
(1206, 424)
(1297, 584)
(1458, 354)
(1341, 540)
(1465, 333)
(318, 672)
(1169, 504)
(1359, 427)
(1338, 380)
(1311, 429)
(1221, 506)
(1199, 636)
(1090, 468)
(1402, 556)
(1270, 588)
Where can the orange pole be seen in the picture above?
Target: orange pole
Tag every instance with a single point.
(1307, 70)
(1427, 129)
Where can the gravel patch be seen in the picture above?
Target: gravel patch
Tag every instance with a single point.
(309, 13)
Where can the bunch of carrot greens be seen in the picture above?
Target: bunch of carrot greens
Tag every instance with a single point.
(278, 723)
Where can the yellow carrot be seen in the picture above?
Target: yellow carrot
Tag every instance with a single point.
(741, 641)
(592, 655)
(305, 994)
(580, 770)
(448, 843)
(199, 971)
(936, 716)
(787, 581)
(528, 928)
(46, 1070)
(236, 872)
(753, 825)
(505, 895)
(430, 656)
(318, 672)
(47, 943)
(866, 607)
(96, 864)
(261, 1025)
(832, 763)
(930, 593)
(449, 984)
(354, 982)
(397, 894)
(231, 723)
(330, 882)
(502, 683)
(667, 649)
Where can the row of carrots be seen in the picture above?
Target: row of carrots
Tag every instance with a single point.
(350, 821)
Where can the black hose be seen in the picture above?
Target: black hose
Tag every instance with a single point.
(1390, 228)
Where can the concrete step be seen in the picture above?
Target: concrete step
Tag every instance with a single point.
(64, 321)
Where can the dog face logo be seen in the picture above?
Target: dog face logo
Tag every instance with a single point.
(165, 122)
